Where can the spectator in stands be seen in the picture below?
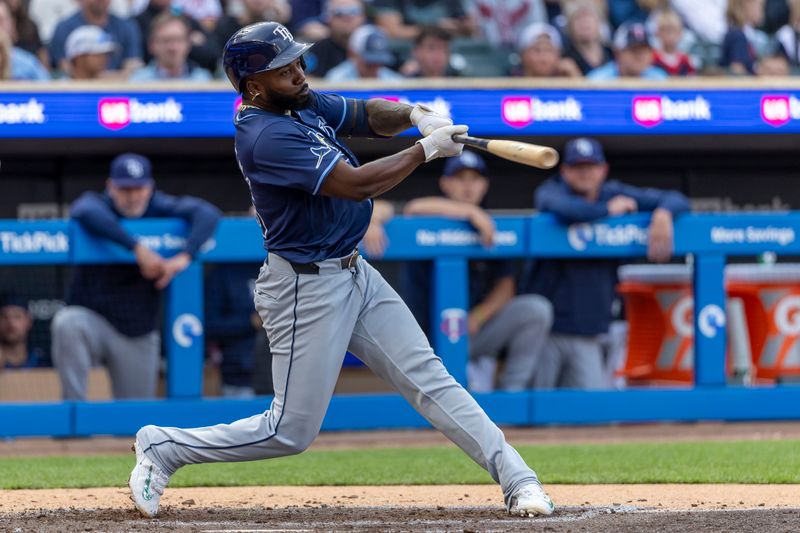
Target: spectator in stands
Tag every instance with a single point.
(206, 12)
(586, 44)
(500, 22)
(369, 57)
(633, 54)
(668, 57)
(15, 326)
(743, 43)
(497, 320)
(232, 325)
(788, 36)
(430, 57)
(706, 19)
(26, 35)
(252, 11)
(205, 50)
(540, 53)
(16, 63)
(88, 52)
(343, 18)
(402, 19)
(773, 65)
(621, 11)
(582, 291)
(169, 44)
(127, 56)
(307, 20)
(111, 310)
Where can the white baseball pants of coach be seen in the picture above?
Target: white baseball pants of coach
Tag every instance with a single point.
(311, 321)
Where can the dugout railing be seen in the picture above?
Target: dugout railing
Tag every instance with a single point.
(449, 244)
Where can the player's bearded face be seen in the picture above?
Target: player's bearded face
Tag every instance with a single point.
(291, 102)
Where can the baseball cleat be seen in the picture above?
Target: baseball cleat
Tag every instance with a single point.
(147, 483)
(530, 500)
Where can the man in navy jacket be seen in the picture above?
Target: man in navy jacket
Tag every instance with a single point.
(111, 310)
(582, 291)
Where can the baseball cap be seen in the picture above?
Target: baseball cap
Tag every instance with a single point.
(131, 170)
(372, 44)
(533, 31)
(13, 300)
(583, 150)
(467, 159)
(88, 40)
(631, 34)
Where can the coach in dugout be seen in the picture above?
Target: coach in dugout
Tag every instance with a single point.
(499, 321)
(582, 291)
(111, 311)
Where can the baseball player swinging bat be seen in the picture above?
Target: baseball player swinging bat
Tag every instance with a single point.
(533, 155)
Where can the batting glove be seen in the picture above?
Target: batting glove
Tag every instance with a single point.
(428, 120)
(440, 143)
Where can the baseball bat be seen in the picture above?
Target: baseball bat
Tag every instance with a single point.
(533, 155)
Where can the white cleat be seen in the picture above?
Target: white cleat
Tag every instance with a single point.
(531, 500)
(147, 483)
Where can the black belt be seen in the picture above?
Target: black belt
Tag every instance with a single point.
(312, 268)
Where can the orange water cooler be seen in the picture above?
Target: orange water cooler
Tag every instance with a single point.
(771, 298)
(659, 309)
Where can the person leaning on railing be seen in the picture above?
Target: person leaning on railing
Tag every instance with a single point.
(111, 310)
(582, 291)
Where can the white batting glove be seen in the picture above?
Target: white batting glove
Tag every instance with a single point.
(427, 120)
(440, 143)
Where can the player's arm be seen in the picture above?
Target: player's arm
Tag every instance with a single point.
(434, 205)
(377, 177)
(96, 217)
(502, 293)
(386, 118)
(374, 178)
(568, 208)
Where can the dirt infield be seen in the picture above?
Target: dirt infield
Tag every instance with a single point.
(653, 508)
(403, 508)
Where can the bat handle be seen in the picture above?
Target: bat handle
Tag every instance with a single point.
(471, 141)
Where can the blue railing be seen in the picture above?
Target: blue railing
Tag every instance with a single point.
(449, 244)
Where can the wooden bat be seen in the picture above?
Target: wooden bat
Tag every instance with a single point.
(533, 155)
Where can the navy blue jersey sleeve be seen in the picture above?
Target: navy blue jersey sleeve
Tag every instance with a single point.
(201, 216)
(347, 116)
(553, 198)
(648, 200)
(95, 214)
(286, 156)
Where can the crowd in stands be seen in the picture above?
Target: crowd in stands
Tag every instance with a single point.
(147, 40)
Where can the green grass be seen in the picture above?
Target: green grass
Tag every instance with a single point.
(687, 462)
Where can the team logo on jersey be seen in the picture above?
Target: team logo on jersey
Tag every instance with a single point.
(322, 150)
(326, 128)
(454, 323)
(186, 328)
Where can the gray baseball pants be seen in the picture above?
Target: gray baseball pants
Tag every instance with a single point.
(521, 326)
(82, 338)
(574, 362)
(311, 320)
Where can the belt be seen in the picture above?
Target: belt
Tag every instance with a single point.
(312, 268)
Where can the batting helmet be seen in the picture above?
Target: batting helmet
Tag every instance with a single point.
(258, 48)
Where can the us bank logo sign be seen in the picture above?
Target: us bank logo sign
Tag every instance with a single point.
(118, 113)
(30, 112)
(779, 109)
(519, 112)
(650, 111)
(580, 236)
